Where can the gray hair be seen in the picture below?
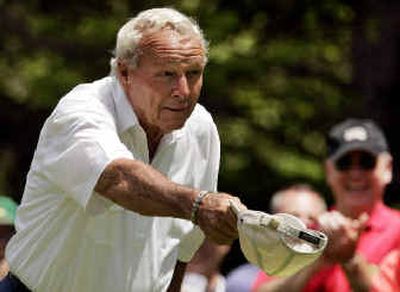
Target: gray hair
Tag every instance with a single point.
(148, 21)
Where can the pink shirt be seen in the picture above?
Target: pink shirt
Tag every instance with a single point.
(388, 280)
(380, 237)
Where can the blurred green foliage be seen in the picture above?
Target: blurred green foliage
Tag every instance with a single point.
(279, 75)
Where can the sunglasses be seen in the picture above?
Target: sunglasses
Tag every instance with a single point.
(365, 161)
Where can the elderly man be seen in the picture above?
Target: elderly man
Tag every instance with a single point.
(361, 229)
(123, 172)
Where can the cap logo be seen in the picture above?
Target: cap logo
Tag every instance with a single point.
(355, 133)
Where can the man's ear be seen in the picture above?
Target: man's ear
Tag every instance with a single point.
(388, 169)
(122, 72)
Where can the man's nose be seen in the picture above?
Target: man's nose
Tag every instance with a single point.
(355, 171)
(355, 165)
(181, 87)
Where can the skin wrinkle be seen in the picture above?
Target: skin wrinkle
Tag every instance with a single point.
(118, 180)
(170, 75)
(177, 51)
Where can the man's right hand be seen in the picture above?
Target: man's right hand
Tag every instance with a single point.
(343, 234)
(216, 218)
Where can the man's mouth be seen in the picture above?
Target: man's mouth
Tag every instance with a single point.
(357, 187)
(176, 108)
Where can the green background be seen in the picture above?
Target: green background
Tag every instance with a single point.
(280, 73)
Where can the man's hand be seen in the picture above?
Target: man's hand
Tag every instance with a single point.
(343, 234)
(216, 218)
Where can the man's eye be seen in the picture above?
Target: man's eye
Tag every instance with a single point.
(193, 73)
(168, 73)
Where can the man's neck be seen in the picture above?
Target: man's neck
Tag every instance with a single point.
(153, 140)
(153, 135)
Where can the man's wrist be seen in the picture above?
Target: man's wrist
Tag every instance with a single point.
(352, 263)
(360, 273)
(196, 206)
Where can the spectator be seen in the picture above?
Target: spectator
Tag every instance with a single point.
(124, 169)
(358, 168)
(299, 200)
(203, 271)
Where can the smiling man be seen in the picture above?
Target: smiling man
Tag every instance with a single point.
(361, 229)
(122, 186)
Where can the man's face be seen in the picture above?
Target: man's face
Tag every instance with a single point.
(358, 180)
(305, 205)
(166, 84)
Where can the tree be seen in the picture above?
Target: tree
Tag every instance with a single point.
(280, 73)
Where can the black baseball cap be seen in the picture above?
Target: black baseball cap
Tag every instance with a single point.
(355, 134)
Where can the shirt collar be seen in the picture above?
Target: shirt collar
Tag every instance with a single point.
(126, 117)
(378, 218)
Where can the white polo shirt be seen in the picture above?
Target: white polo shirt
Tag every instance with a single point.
(70, 238)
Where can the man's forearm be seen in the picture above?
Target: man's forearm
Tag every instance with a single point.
(359, 273)
(139, 187)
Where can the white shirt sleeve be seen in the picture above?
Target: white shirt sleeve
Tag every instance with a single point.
(190, 244)
(210, 141)
(75, 147)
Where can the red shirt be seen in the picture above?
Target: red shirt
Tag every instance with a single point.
(382, 235)
(388, 280)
